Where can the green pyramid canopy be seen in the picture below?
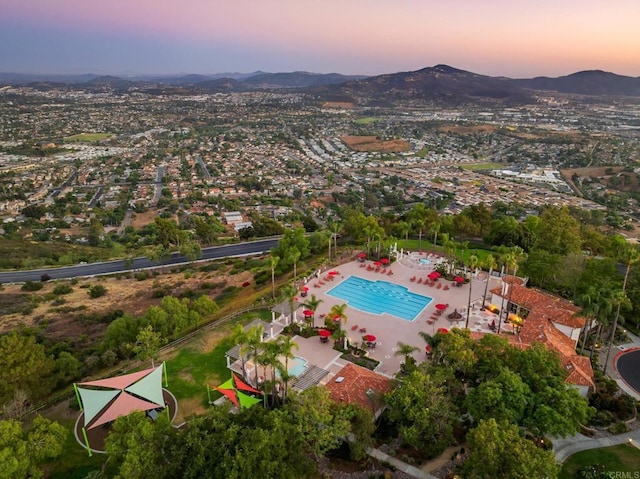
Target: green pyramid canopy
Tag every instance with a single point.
(149, 387)
(94, 401)
(246, 400)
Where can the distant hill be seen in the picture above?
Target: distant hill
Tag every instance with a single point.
(440, 84)
(590, 82)
(299, 79)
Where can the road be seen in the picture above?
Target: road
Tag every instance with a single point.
(118, 266)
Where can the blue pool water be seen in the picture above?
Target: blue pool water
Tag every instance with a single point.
(297, 366)
(425, 261)
(379, 297)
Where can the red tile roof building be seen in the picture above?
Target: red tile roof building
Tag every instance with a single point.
(357, 385)
(552, 321)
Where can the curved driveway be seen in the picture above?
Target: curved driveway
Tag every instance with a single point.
(119, 266)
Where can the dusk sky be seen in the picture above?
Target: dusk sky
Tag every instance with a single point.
(514, 38)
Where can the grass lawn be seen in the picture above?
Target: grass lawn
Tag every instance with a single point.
(367, 120)
(623, 458)
(483, 166)
(87, 137)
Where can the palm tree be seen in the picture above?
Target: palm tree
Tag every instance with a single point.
(240, 337)
(590, 302)
(312, 304)
(404, 228)
(337, 312)
(254, 344)
(289, 292)
(286, 345)
(294, 256)
(274, 263)
(489, 262)
(631, 256)
(334, 229)
(338, 335)
(509, 260)
(406, 350)
(473, 264)
(267, 357)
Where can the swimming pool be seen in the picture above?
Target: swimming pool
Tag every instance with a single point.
(379, 297)
(425, 261)
(297, 366)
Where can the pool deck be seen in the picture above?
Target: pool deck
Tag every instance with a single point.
(388, 329)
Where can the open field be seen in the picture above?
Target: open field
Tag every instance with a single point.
(87, 137)
(468, 129)
(374, 144)
(610, 176)
(482, 166)
(367, 120)
(337, 104)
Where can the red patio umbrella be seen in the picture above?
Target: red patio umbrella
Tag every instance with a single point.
(441, 306)
(443, 330)
(427, 348)
(458, 279)
(308, 312)
(362, 255)
(377, 263)
(384, 260)
(333, 273)
(324, 333)
(370, 338)
(433, 275)
(304, 288)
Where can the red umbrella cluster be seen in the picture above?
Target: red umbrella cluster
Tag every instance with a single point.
(433, 275)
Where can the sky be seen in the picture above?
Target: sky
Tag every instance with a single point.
(513, 38)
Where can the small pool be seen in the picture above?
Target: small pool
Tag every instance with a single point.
(297, 366)
(425, 261)
(377, 297)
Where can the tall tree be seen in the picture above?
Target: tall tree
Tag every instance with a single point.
(491, 264)
(630, 256)
(312, 305)
(273, 261)
(473, 264)
(499, 450)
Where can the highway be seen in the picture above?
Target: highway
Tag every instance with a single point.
(120, 266)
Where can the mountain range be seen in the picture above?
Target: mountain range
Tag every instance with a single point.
(439, 84)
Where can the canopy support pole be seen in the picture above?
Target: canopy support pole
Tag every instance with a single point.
(209, 394)
(164, 370)
(75, 388)
(86, 441)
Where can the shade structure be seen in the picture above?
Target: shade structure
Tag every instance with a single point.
(308, 312)
(458, 279)
(304, 288)
(333, 273)
(324, 333)
(362, 255)
(384, 260)
(443, 330)
(433, 275)
(105, 400)
(230, 394)
(242, 386)
(370, 338)
(441, 306)
(377, 263)
(454, 316)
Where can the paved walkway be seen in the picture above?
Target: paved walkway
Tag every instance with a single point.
(565, 447)
(398, 464)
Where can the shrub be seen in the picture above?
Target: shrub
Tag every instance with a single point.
(97, 290)
(618, 428)
(142, 275)
(31, 286)
(62, 288)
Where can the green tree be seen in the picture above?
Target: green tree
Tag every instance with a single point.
(273, 262)
(558, 232)
(321, 423)
(473, 264)
(25, 366)
(423, 412)
(147, 344)
(499, 450)
(491, 264)
(138, 447)
(338, 313)
(503, 398)
(96, 291)
(22, 452)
